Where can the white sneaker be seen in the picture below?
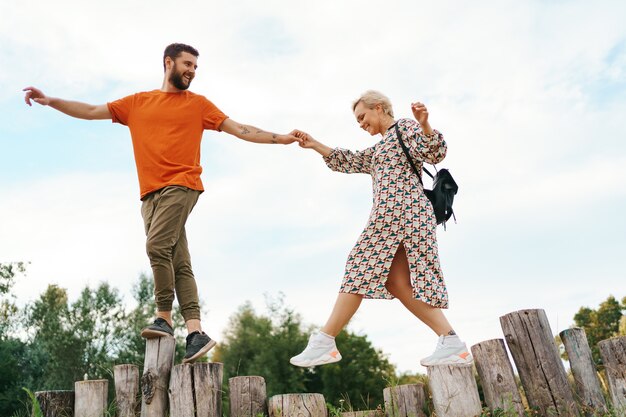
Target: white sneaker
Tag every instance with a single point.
(450, 350)
(320, 350)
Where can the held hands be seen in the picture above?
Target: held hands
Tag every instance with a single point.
(35, 95)
(305, 140)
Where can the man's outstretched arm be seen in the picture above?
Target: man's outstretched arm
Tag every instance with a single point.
(254, 134)
(71, 108)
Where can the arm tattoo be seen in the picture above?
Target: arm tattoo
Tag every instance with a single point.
(244, 130)
(274, 138)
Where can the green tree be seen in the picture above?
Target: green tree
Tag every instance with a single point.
(18, 366)
(48, 321)
(8, 309)
(600, 324)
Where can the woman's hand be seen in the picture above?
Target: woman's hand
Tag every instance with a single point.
(420, 112)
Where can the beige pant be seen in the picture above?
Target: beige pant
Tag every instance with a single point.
(164, 214)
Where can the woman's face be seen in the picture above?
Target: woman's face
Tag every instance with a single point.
(369, 119)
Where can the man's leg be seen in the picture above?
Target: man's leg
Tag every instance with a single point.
(185, 285)
(165, 213)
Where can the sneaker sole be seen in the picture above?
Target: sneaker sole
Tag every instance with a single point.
(201, 352)
(308, 364)
(450, 361)
(153, 334)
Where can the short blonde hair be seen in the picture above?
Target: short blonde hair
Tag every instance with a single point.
(371, 98)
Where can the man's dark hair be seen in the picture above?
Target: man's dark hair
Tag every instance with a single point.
(174, 50)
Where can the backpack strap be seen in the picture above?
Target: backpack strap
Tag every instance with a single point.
(408, 156)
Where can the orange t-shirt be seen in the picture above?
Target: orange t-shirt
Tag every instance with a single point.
(166, 129)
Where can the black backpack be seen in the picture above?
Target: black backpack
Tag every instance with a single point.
(444, 187)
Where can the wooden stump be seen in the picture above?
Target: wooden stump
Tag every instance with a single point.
(584, 371)
(56, 403)
(528, 336)
(126, 389)
(91, 398)
(613, 353)
(405, 401)
(247, 396)
(497, 377)
(454, 391)
(297, 405)
(196, 390)
(364, 413)
(156, 375)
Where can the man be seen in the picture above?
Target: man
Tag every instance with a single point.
(166, 127)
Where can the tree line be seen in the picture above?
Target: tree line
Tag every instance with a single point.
(52, 342)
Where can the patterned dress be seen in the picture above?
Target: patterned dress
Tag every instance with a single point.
(401, 213)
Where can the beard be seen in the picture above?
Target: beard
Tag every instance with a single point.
(177, 80)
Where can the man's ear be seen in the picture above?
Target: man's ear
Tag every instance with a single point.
(168, 63)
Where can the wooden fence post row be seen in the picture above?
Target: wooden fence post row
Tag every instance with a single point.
(195, 390)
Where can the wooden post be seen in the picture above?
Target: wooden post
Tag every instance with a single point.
(297, 405)
(529, 338)
(584, 371)
(454, 391)
(207, 381)
(497, 377)
(613, 353)
(126, 389)
(196, 390)
(91, 398)
(405, 401)
(181, 392)
(56, 403)
(156, 375)
(364, 413)
(247, 396)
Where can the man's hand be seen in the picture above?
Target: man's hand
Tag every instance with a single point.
(35, 95)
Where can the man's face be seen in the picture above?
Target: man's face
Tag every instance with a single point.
(183, 70)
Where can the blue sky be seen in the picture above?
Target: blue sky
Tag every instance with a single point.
(529, 95)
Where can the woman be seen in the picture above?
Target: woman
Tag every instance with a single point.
(396, 255)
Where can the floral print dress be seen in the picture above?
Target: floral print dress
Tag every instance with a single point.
(401, 214)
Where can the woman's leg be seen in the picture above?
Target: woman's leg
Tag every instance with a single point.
(450, 349)
(399, 285)
(345, 307)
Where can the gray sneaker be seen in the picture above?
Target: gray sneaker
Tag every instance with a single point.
(159, 328)
(450, 350)
(198, 344)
